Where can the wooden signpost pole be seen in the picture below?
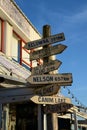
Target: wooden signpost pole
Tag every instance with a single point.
(49, 117)
(46, 33)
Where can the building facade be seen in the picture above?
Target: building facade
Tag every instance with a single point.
(15, 31)
(17, 112)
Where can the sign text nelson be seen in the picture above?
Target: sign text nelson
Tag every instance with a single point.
(50, 78)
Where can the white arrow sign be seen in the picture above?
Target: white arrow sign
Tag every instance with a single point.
(46, 67)
(49, 78)
(45, 41)
(49, 99)
(45, 52)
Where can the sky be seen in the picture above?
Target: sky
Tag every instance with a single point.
(69, 17)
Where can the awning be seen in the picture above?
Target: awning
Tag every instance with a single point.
(12, 73)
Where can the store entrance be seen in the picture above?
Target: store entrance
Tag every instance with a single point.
(26, 116)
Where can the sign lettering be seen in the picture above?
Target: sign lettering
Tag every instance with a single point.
(45, 52)
(47, 90)
(45, 41)
(46, 67)
(49, 99)
(57, 108)
(49, 78)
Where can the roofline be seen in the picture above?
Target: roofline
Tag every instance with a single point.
(25, 17)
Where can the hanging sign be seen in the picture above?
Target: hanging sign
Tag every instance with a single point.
(45, 41)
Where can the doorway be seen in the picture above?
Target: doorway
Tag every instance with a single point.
(26, 116)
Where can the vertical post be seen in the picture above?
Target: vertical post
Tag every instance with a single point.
(2, 35)
(75, 121)
(0, 116)
(46, 33)
(20, 52)
(6, 116)
(52, 119)
(42, 117)
(55, 121)
(39, 118)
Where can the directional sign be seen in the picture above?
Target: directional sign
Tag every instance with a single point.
(45, 41)
(45, 52)
(50, 99)
(46, 67)
(47, 90)
(57, 108)
(49, 78)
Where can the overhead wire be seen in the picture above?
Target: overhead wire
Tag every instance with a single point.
(80, 105)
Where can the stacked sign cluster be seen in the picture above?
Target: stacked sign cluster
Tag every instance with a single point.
(49, 84)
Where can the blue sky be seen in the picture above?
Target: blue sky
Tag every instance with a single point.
(69, 17)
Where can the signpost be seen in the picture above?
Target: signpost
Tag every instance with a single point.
(57, 108)
(49, 83)
(49, 51)
(49, 78)
(46, 67)
(45, 41)
(47, 90)
(50, 99)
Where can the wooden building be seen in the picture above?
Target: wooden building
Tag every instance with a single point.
(15, 30)
(17, 112)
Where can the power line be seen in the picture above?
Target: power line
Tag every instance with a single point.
(79, 104)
